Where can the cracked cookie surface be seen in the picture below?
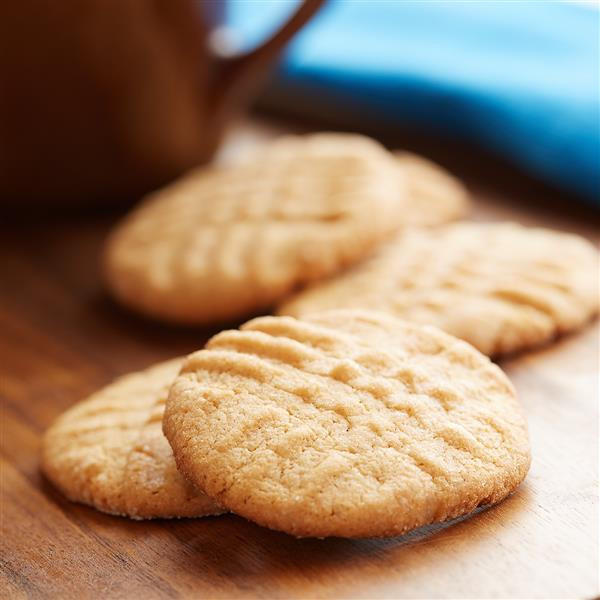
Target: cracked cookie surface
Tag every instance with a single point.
(500, 286)
(225, 242)
(348, 423)
(109, 451)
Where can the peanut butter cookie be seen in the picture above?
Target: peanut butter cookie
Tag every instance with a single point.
(499, 286)
(222, 243)
(348, 423)
(109, 451)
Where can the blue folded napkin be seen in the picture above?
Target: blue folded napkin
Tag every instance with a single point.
(520, 78)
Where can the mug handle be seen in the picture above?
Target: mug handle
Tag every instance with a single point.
(238, 74)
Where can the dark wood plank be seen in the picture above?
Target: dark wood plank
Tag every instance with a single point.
(61, 338)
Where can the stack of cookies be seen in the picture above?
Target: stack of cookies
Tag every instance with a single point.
(368, 406)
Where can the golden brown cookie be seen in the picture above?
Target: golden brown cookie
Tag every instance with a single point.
(501, 287)
(348, 423)
(432, 195)
(109, 451)
(224, 242)
(429, 194)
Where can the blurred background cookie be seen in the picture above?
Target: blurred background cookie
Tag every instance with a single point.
(429, 194)
(501, 287)
(433, 195)
(223, 243)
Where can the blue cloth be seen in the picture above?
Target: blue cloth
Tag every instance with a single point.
(520, 78)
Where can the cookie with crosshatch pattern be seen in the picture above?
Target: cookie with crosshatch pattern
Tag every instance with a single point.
(109, 451)
(348, 423)
(221, 243)
(430, 194)
(500, 286)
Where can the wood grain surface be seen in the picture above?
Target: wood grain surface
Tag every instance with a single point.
(61, 338)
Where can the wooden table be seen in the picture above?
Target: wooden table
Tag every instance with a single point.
(61, 338)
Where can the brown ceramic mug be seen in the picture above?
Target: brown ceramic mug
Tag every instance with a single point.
(102, 100)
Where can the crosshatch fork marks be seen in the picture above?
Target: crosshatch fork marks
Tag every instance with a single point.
(285, 427)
